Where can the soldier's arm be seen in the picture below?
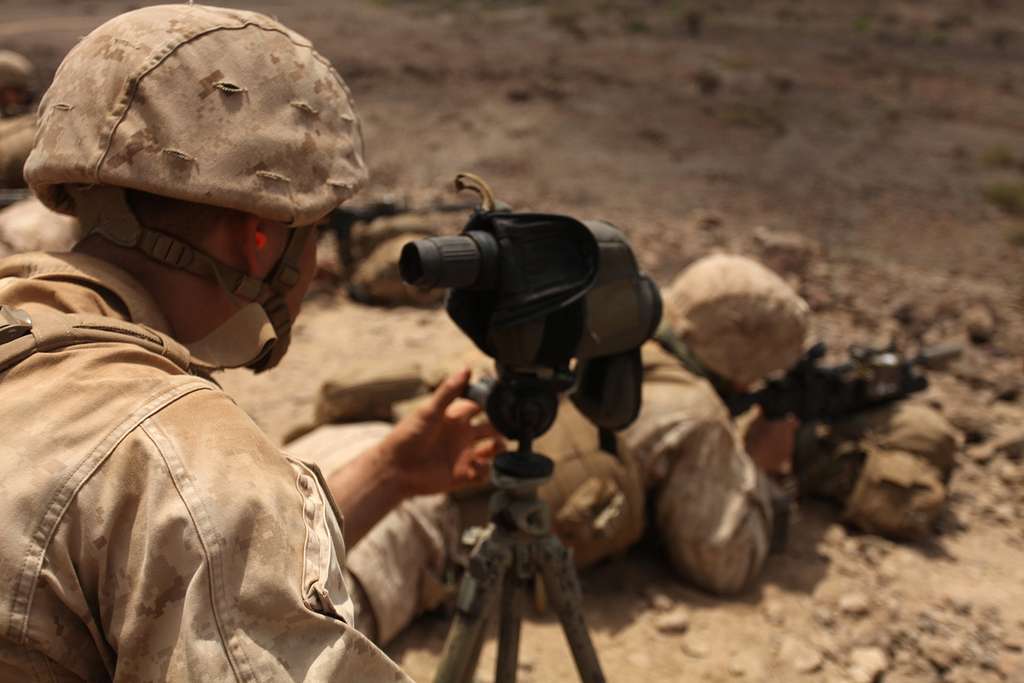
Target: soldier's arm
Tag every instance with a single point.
(436, 449)
(714, 510)
(209, 556)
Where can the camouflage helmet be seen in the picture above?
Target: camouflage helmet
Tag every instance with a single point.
(214, 106)
(16, 71)
(738, 318)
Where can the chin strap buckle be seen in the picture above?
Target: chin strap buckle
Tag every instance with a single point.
(14, 323)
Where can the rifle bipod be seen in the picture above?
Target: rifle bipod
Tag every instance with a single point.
(516, 547)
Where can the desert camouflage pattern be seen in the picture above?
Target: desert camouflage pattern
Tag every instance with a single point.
(889, 467)
(16, 135)
(683, 450)
(712, 505)
(152, 530)
(267, 127)
(741, 320)
(398, 571)
(16, 71)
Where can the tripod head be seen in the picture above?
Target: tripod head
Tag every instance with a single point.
(561, 306)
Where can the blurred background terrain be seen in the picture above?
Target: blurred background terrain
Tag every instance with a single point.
(870, 151)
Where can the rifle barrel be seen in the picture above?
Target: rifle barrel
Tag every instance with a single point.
(937, 356)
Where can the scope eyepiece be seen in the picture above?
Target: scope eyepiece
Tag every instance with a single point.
(468, 261)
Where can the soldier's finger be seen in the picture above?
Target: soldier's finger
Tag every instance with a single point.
(484, 430)
(448, 391)
(488, 449)
(463, 409)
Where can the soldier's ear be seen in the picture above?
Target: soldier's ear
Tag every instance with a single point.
(261, 244)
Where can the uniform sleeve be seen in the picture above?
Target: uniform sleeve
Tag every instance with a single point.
(712, 505)
(714, 512)
(216, 558)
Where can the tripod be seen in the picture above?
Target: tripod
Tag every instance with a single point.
(516, 547)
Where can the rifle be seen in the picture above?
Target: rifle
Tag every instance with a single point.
(344, 219)
(815, 393)
(9, 196)
(870, 378)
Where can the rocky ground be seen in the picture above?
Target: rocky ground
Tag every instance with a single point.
(870, 151)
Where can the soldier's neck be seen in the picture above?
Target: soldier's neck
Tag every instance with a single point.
(193, 306)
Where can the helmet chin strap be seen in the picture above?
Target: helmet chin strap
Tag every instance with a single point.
(258, 335)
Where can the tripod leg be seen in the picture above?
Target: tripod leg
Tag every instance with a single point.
(509, 625)
(461, 650)
(563, 590)
(476, 600)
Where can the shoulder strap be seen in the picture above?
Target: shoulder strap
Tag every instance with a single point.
(22, 335)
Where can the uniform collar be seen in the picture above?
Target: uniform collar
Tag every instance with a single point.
(93, 273)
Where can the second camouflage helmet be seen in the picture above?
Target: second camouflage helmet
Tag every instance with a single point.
(740, 320)
(208, 105)
(16, 71)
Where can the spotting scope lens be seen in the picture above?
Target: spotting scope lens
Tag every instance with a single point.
(464, 262)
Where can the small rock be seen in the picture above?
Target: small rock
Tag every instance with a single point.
(800, 656)
(980, 323)
(785, 252)
(676, 621)
(697, 649)
(1004, 513)
(835, 534)
(659, 601)
(708, 80)
(825, 617)
(706, 220)
(854, 604)
(774, 613)
(867, 664)
(1008, 388)
(826, 644)
(944, 653)
(1011, 473)
(959, 606)
(746, 665)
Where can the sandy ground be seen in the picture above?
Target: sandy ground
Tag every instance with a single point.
(879, 148)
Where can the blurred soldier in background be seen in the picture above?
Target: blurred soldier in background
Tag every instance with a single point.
(17, 123)
(729, 322)
(152, 531)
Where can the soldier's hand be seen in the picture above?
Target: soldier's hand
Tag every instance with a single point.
(440, 447)
(770, 443)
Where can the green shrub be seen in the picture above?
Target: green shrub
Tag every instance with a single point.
(1007, 196)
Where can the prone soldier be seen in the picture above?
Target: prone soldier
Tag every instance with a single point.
(152, 531)
(17, 124)
(729, 323)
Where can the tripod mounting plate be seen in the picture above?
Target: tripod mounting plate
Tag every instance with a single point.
(519, 465)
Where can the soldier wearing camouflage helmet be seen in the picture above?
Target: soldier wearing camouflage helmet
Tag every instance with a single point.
(729, 321)
(152, 531)
(17, 125)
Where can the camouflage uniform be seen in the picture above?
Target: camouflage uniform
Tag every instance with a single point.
(152, 531)
(684, 459)
(16, 134)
